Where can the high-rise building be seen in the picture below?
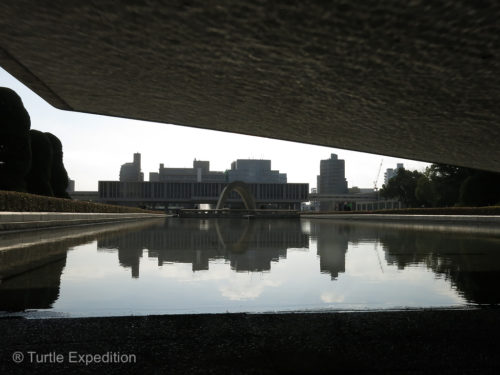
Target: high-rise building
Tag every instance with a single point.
(390, 172)
(254, 171)
(246, 170)
(331, 179)
(199, 173)
(132, 171)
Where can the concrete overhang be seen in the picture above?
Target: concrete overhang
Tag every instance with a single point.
(413, 79)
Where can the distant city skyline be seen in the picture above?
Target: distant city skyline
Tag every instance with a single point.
(245, 170)
(96, 146)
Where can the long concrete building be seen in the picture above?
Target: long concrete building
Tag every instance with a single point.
(191, 194)
(190, 187)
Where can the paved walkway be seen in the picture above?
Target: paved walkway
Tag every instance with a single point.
(394, 342)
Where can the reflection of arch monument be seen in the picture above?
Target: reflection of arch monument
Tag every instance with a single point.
(248, 245)
(241, 245)
(242, 189)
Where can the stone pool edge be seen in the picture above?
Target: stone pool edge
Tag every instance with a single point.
(455, 219)
(16, 221)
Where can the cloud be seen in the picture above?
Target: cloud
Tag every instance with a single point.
(246, 289)
(332, 298)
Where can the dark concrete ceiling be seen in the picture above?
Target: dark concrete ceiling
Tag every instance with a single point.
(413, 79)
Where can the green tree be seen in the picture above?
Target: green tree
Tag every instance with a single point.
(425, 192)
(459, 185)
(402, 186)
(480, 189)
(15, 149)
(447, 180)
(38, 178)
(58, 175)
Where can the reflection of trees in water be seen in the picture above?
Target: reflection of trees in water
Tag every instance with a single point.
(35, 275)
(32, 274)
(470, 263)
(249, 245)
(37, 289)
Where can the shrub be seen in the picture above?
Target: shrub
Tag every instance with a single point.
(15, 150)
(38, 178)
(24, 202)
(58, 176)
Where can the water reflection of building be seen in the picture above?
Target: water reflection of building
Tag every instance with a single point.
(470, 263)
(249, 246)
(331, 243)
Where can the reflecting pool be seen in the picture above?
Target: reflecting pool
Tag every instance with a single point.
(177, 266)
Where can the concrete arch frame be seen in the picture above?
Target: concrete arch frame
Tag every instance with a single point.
(242, 189)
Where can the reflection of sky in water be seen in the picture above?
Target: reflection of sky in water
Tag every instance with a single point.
(93, 284)
(185, 267)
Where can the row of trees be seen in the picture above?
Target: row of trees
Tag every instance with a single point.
(30, 160)
(443, 185)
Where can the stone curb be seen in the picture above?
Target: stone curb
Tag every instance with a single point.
(10, 221)
(456, 219)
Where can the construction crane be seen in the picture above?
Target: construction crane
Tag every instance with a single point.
(378, 174)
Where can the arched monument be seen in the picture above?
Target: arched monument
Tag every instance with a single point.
(242, 189)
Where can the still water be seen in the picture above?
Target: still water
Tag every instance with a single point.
(177, 266)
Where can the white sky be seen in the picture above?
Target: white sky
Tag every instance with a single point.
(96, 146)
